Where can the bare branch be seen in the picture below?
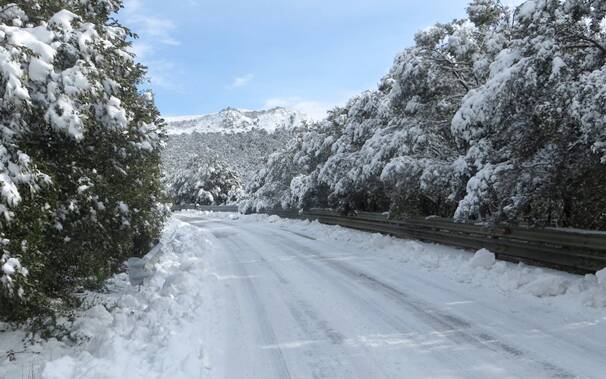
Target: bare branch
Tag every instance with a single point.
(592, 42)
(579, 47)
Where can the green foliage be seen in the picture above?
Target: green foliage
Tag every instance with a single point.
(89, 196)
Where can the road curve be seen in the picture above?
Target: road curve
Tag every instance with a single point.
(283, 304)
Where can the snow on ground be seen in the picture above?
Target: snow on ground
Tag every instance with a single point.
(135, 333)
(479, 269)
(330, 302)
(258, 296)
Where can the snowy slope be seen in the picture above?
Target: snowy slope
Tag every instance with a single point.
(231, 120)
(260, 297)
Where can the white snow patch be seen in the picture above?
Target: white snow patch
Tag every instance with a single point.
(11, 266)
(274, 219)
(483, 258)
(39, 70)
(527, 9)
(548, 286)
(61, 368)
(63, 20)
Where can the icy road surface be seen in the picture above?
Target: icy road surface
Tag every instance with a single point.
(288, 303)
(244, 297)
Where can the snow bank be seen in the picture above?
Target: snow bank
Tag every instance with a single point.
(483, 258)
(145, 332)
(548, 286)
(481, 269)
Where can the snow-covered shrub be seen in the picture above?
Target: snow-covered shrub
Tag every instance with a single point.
(205, 180)
(79, 153)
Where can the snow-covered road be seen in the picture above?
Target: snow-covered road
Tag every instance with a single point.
(285, 303)
(244, 297)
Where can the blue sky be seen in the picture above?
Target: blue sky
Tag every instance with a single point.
(309, 55)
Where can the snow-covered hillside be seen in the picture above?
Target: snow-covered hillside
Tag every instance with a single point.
(239, 139)
(231, 120)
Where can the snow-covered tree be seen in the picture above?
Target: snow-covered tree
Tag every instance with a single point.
(79, 152)
(534, 129)
(289, 177)
(245, 152)
(205, 180)
(497, 117)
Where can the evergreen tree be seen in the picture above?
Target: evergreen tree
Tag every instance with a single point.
(79, 149)
(205, 180)
(498, 117)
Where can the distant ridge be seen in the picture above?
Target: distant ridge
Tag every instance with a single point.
(232, 120)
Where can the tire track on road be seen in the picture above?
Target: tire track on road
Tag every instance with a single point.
(267, 332)
(311, 324)
(453, 327)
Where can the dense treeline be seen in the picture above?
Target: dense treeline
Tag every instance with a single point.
(79, 154)
(245, 152)
(204, 180)
(497, 117)
(212, 168)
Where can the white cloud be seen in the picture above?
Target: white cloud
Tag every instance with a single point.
(153, 31)
(132, 6)
(242, 81)
(161, 73)
(151, 27)
(317, 110)
(141, 49)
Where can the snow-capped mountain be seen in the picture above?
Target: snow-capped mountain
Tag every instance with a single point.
(231, 120)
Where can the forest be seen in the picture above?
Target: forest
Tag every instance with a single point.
(498, 117)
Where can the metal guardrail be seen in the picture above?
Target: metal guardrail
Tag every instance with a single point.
(577, 251)
(209, 208)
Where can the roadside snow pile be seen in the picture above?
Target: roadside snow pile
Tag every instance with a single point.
(273, 219)
(481, 269)
(147, 332)
(548, 286)
(483, 258)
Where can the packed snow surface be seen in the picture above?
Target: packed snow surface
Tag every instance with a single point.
(232, 120)
(236, 296)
